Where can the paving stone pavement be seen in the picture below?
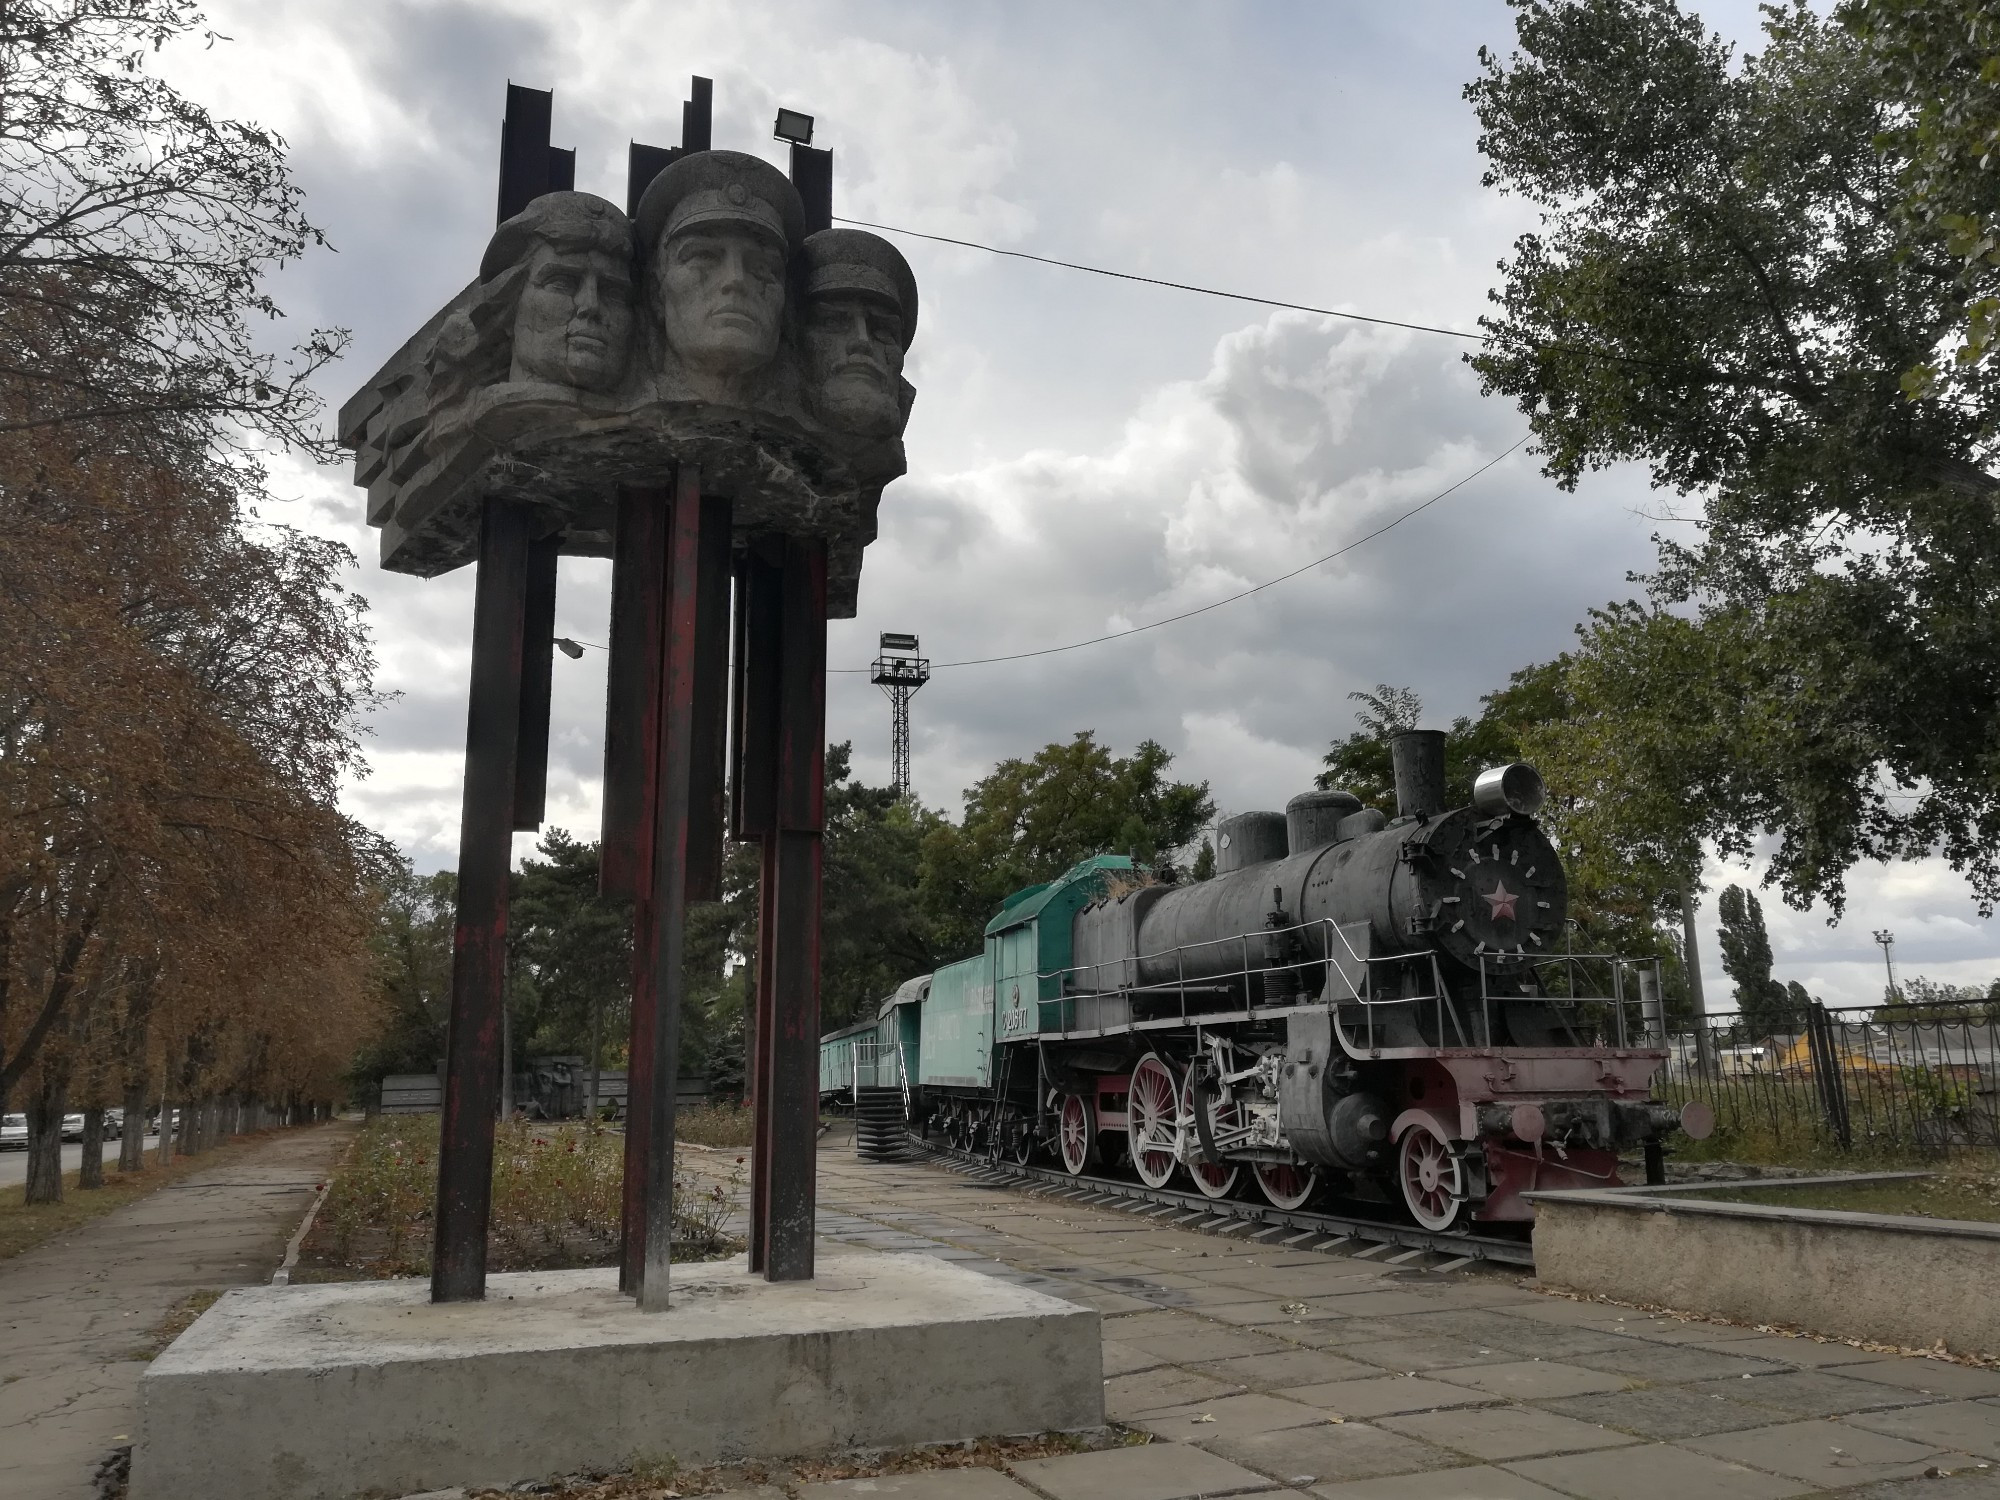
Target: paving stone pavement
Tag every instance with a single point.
(1258, 1370)
(76, 1311)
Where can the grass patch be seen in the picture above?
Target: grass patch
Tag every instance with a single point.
(26, 1225)
(1964, 1194)
(556, 1202)
(179, 1319)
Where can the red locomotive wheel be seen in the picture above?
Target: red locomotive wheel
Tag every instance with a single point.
(1285, 1185)
(1152, 1106)
(1433, 1182)
(1076, 1134)
(1215, 1179)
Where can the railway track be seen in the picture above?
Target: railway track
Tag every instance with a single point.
(1244, 1221)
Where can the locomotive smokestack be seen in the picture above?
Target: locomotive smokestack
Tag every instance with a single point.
(1419, 759)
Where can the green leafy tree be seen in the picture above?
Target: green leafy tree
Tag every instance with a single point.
(1204, 862)
(1624, 836)
(412, 941)
(874, 931)
(1361, 763)
(572, 955)
(1932, 61)
(1767, 1007)
(1029, 820)
(1922, 999)
(1724, 287)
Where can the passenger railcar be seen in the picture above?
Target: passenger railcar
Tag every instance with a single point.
(1384, 1008)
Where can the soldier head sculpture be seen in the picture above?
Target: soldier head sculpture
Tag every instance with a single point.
(716, 231)
(553, 303)
(573, 311)
(860, 315)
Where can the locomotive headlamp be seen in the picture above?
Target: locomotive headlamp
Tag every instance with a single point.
(1509, 789)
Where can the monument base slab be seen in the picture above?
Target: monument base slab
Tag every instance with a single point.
(324, 1392)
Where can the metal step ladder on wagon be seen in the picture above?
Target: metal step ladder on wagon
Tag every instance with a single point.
(880, 1102)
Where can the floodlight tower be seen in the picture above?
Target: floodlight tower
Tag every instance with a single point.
(899, 675)
(1888, 941)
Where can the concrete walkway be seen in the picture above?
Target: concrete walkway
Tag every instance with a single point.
(75, 1312)
(1257, 1369)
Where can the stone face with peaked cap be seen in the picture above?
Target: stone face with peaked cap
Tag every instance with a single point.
(717, 230)
(860, 315)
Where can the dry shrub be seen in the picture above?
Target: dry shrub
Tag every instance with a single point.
(557, 1194)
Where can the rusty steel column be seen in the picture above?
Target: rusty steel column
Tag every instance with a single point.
(792, 863)
(669, 875)
(479, 941)
(753, 786)
(538, 655)
(631, 757)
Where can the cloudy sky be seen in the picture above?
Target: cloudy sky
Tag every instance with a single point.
(1085, 455)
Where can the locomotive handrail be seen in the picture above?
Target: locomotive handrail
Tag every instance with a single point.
(1449, 1019)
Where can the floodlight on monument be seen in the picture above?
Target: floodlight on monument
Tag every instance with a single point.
(793, 125)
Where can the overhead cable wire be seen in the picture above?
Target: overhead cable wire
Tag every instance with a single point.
(1097, 640)
(1178, 286)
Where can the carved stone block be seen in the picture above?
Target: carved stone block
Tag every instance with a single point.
(595, 351)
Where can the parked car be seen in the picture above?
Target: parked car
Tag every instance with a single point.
(72, 1127)
(13, 1132)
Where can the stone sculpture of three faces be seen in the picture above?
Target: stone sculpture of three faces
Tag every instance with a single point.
(719, 239)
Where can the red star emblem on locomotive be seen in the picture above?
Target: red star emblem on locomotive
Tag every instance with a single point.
(1501, 900)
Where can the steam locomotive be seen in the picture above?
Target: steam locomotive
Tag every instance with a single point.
(1384, 1009)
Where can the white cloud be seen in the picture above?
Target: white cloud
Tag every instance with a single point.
(1086, 454)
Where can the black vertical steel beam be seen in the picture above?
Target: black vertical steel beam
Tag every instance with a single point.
(760, 606)
(538, 655)
(642, 165)
(756, 785)
(800, 804)
(631, 706)
(524, 148)
(631, 761)
(698, 116)
(670, 861)
(812, 175)
(562, 170)
(479, 941)
(707, 789)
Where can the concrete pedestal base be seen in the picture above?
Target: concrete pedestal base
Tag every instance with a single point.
(326, 1392)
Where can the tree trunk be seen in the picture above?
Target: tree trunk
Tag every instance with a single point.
(132, 1133)
(1704, 1043)
(90, 1173)
(596, 1031)
(185, 1143)
(166, 1147)
(45, 1114)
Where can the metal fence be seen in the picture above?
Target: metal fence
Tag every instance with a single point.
(1846, 1084)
